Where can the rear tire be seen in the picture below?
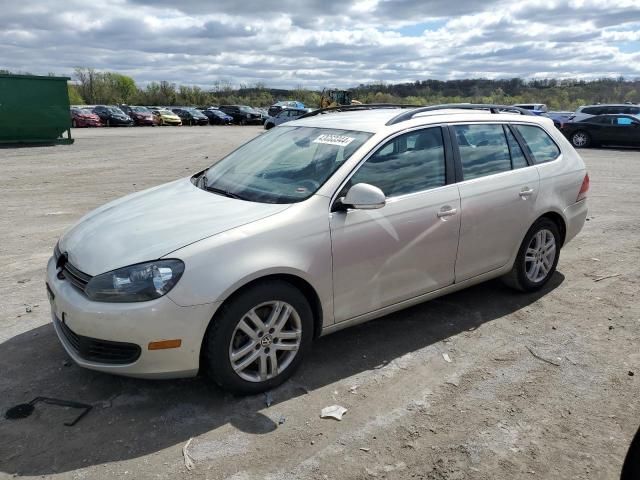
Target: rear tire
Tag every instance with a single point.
(537, 258)
(74, 124)
(580, 139)
(267, 329)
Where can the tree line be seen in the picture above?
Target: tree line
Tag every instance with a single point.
(93, 87)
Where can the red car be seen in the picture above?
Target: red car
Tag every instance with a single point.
(84, 117)
(140, 115)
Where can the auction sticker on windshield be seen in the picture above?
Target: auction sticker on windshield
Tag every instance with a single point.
(338, 140)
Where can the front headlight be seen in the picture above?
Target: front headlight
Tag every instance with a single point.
(136, 283)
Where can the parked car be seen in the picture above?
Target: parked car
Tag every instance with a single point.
(242, 114)
(604, 130)
(111, 116)
(587, 111)
(217, 117)
(283, 116)
(84, 117)
(140, 115)
(559, 118)
(164, 116)
(535, 108)
(278, 106)
(309, 228)
(191, 116)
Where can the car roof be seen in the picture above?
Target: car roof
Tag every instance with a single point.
(375, 120)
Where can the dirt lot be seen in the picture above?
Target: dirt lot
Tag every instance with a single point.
(496, 411)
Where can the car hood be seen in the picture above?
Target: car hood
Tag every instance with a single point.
(152, 223)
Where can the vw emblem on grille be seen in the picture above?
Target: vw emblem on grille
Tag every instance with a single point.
(266, 341)
(62, 260)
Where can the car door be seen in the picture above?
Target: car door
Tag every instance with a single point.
(625, 130)
(498, 191)
(408, 247)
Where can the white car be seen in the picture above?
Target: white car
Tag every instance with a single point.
(314, 226)
(588, 111)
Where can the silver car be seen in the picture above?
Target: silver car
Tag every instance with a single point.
(314, 226)
(285, 115)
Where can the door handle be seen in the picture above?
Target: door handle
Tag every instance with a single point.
(447, 211)
(526, 192)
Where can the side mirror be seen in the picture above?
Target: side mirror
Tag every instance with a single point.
(363, 196)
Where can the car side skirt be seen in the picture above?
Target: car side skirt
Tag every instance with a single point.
(416, 300)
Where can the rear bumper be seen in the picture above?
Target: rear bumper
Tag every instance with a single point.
(575, 216)
(114, 330)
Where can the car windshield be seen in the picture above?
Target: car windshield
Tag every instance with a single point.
(165, 112)
(84, 111)
(283, 165)
(140, 109)
(115, 110)
(244, 108)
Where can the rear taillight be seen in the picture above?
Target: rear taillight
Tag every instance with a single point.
(582, 194)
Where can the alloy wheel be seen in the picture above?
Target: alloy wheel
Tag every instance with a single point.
(540, 255)
(265, 341)
(580, 139)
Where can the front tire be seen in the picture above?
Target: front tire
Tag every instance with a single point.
(537, 258)
(580, 139)
(258, 338)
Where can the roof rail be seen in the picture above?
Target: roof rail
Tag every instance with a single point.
(404, 116)
(364, 106)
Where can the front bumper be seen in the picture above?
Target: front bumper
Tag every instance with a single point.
(131, 324)
(144, 121)
(575, 216)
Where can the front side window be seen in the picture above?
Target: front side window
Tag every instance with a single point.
(541, 147)
(283, 165)
(623, 121)
(593, 110)
(483, 150)
(409, 163)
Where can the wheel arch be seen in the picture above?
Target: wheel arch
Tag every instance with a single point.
(560, 222)
(297, 281)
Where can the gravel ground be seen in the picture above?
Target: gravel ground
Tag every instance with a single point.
(539, 385)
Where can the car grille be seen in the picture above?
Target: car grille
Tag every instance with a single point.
(77, 278)
(99, 351)
(67, 271)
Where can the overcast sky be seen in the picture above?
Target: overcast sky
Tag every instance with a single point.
(320, 43)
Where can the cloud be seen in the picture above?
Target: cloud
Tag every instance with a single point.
(320, 43)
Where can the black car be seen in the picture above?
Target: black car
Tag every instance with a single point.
(139, 115)
(604, 129)
(217, 117)
(112, 116)
(191, 116)
(242, 114)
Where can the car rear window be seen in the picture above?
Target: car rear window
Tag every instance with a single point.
(541, 147)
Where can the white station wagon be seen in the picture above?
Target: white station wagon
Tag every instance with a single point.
(337, 218)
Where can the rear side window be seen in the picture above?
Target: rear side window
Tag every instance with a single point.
(483, 150)
(409, 163)
(541, 147)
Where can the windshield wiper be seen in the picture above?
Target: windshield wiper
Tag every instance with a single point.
(220, 191)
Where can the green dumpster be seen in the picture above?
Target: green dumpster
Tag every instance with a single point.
(34, 109)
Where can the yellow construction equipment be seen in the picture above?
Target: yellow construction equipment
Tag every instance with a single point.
(335, 98)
